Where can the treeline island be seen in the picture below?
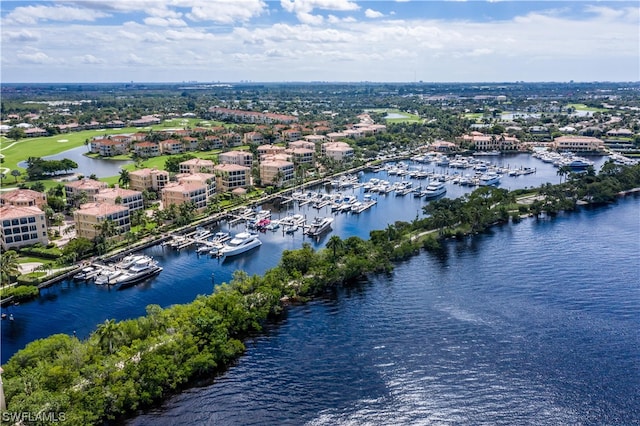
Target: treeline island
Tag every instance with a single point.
(126, 366)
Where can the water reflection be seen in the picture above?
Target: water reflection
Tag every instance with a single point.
(86, 165)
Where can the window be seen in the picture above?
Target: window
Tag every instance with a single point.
(17, 238)
(9, 239)
(24, 229)
(7, 231)
(15, 222)
(6, 223)
(32, 220)
(23, 220)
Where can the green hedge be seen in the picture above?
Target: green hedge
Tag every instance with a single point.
(20, 292)
(43, 252)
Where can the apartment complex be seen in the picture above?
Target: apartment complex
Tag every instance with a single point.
(338, 151)
(578, 143)
(23, 198)
(276, 172)
(129, 198)
(22, 226)
(144, 179)
(196, 187)
(197, 165)
(241, 158)
(231, 176)
(75, 189)
(89, 217)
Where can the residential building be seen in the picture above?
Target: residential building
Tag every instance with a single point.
(145, 179)
(578, 143)
(90, 216)
(276, 172)
(314, 138)
(74, 190)
(197, 165)
(171, 146)
(254, 138)
(189, 188)
(23, 198)
(232, 139)
(231, 176)
(146, 149)
(22, 226)
(338, 151)
(241, 158)
(269, 150)
(302, 155)
(303, 144)
(291, 135)
(213, 142)
(130, 198)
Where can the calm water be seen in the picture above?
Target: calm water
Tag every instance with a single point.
(532, 323)
(86, 165)
(536, 323)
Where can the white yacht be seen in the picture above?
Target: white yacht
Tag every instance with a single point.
(240, 243)
(434, 189)
(141, 269)
(489, 178)
(108, 276)
(319, 225)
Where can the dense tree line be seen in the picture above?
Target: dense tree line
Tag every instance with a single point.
(37, 168)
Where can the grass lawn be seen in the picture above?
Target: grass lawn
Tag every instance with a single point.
(583, 107)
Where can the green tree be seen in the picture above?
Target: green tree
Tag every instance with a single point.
(9, 266)
(124, 178)
(109, 334)
(334, 244)
(16, 173)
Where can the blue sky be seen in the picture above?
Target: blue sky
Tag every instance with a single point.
(325, 40)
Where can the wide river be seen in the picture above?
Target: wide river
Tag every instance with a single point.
(531, 323)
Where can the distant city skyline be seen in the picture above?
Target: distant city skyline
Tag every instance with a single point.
(78, 41)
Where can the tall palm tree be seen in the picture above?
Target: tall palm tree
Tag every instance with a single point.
(124, 178)
(16, 173)
(9, 266)
(108, 334)
(334, 244)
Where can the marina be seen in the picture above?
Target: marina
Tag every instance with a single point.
(77, 298)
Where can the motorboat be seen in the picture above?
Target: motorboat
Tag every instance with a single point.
(434, 189)
(86, 273)
(290, 229)
(141, 269)
(108, 276)
(489, 178)
(319, 225)
(129, 260)
(240, 243)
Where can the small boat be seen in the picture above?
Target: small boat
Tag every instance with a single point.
(108, 276)
(85, 273)
(290, 229)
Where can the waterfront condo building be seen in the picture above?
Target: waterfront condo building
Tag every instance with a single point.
(196, 187)
(146, 149)
(145, 179)
(338, 151)
(231, 176)
(74, 190)
(90, 216)
(241, 158)
(22, 226)
(302, 155)
(276, 172)
(578, 143)
(23, 198)
(129, 198)
(197, 165)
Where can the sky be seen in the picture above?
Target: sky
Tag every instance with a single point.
(78, 41)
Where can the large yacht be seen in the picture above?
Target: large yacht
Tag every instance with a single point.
(319, 225)
(489, 178)
(434, 189)
(240, 243)
(141, 269)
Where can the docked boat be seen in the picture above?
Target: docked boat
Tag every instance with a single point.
(86, 273)
(108, 276)
(434, 189)
(129, 260)
(240, 243)
(319, 225)
(290, 229)
(489, 178)
(142, 269)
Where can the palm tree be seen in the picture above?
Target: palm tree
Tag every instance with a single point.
(16, 173)
(124, 178)
(563, 171)
(334, 244)
(108, 334)
(9, 266)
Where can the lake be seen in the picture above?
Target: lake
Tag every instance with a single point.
(86, 165)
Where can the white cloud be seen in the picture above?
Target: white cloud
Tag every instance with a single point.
(90, 59)
(35, 57)
(309, 19)
(164, 22)
(21, 36)
(31, 15)
(224, 11)
(303, 8)
(370, 13)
